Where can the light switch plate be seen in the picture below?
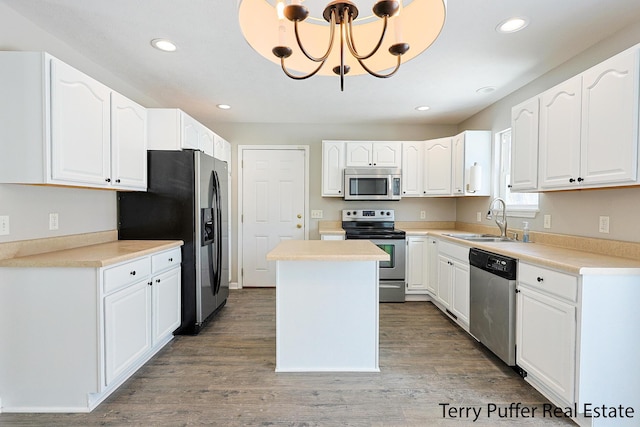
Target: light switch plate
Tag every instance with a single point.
(316, 214)
(547, 221)
(423, 214)
(4, 225)
(479, 216)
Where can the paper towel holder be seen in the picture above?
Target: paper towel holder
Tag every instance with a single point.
(475, 178)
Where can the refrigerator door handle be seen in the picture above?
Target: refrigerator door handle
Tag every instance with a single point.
(217, 241)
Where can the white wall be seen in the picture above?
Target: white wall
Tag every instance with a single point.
(572, 212)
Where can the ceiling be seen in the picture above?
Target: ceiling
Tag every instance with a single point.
(214, 64)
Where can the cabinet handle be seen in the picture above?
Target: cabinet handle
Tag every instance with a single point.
(157, 280)
(133, 273)
(108, 179)
(170, 259)
(580, 179)
(517, 291)
(339, 191)
(150, 283)
(118, 181)
(540, 279)
(572, 180)
(510, 186)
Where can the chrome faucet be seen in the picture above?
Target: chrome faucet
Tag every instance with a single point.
(502, 223)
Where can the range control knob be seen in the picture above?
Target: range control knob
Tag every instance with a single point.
(388, 213)
(348, 213)
(355, 213)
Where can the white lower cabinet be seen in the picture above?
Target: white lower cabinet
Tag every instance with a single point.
(453, 281)
(574, 343)
(332, 237)
(127, 328)
(89, 329)
(417, 267)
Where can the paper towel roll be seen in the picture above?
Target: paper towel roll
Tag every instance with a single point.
(475, 178)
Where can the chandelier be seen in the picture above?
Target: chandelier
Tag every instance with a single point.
(303, 40)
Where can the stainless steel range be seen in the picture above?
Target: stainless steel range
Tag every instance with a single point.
(379, 227)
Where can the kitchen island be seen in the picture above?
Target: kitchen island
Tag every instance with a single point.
(327, 305)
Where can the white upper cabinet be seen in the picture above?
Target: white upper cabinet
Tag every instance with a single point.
(333, 162)
(174, 130)
(524, 146)
(80, 122)
(66, 128)
(559, 137)
(437, 167)
(471, 163)
(221, 149)
(128, 143)
(610, 119)
(412, 168)
(375, 154)
(587, 132)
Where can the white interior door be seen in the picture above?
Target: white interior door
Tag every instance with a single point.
(273, 208)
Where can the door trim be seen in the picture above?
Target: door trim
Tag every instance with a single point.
(239, 163)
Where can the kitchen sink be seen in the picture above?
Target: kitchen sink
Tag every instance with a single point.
(480, 237)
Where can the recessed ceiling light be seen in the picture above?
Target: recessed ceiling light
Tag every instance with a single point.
(224, 106)
(485, 90)
(422, 108)
(164, 45)
(512, 25)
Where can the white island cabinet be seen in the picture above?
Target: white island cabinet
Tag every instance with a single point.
(80, 328)
(327, 305)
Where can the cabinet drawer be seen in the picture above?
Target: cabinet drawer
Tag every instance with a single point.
(549, 281)
(454, 251)
(125, 274)
(164, 260)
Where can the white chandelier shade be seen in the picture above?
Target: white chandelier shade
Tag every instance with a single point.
(418, 23)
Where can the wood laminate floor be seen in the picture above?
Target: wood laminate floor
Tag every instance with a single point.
(225, 377)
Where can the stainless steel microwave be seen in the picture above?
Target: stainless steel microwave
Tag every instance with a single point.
(372, 184)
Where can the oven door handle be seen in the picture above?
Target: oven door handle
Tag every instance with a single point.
(390, 286)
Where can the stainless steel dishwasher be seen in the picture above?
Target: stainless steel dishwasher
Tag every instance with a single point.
(492, 302)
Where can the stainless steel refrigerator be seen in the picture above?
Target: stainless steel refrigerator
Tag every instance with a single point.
(187, 200)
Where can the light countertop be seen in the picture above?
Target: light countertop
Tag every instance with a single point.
(327, 250)
(98, 255)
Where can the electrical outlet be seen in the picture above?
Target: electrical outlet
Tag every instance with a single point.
(479, 216)
(423, 214)
(547, 221)
(316, 214)
(4, 225)
(604, 224)
(53, 221)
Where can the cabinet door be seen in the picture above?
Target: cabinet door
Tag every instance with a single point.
(416, 264)
(387, 154)
(127, 328)
(546, 341)
(437, 167)
(412, 158)
(80, 127)
(460, 290)
(444, 281)
(457, 165)
(206, 141)
(359, 154)
(524, 146)
(610, 121)
(190, 132)
(333, 160)
(128, 143)
(559, 150)
(165, 296)
(432, 268)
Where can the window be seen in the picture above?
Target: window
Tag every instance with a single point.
(518, 204)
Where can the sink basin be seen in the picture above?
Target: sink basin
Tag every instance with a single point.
(480, 237)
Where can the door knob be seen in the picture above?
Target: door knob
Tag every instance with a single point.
(299, 225)
(299, 216)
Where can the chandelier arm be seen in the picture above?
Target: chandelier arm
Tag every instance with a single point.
(381, 76)
(352, 46)
(332, 24)
(306, 76)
